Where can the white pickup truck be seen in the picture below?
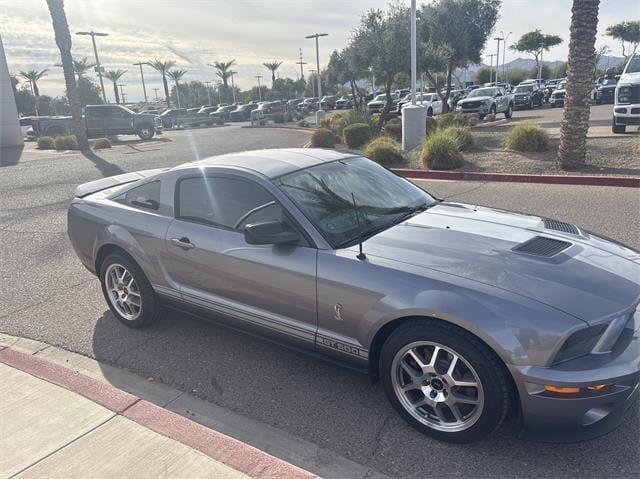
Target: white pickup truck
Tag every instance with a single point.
(626, 110)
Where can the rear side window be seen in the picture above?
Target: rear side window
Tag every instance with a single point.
(143, 196)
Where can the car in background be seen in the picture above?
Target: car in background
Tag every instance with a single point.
(223, 113)
(487, 100)
(455, 96)
(345, 102)
(208, 109)
(328, 102)
(605, 91)
(552, 85)
(527, 95)
(378, 104)
(626, 110)
(270, 107)
(183, 118)
(26, 127)
(242, 112)
(293, 104)
(557, 96)
(540, 82)
(310, 103)
(430, 101)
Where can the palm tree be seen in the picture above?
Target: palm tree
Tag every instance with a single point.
(163, 68)
(33, 76)
(273, 66)
(223, 70)
(575, 122)
(63, 40)
(177, 75)
(114, 76)
(80, 67)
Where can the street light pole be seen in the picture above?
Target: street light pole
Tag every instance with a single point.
(498, 39)
(301, 63)
(540, 66)
(259, 88)
(504, 51)
(320, 112)
(413, 116)
(95, 52)
(491, 68)
(313, 86)
(144, 88)
(233, 87)
(207, 83)
(155, 90)
(122, 92)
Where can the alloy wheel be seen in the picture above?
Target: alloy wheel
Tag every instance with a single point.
(437, 386)
(123, 292)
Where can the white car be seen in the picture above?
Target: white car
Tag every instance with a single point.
(431, 101)
(626, 110)
(25, 126)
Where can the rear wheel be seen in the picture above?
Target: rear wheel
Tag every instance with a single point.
(444, 381)
(145, 132)
(128, 291)
(509, 113)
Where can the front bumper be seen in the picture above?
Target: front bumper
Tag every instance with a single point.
(556, 101)
(552, 417)
(627, 114)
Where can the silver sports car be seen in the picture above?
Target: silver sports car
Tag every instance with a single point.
(461, 311)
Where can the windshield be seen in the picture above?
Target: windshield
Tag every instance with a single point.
(523, 89)
(482, 92)
(380, 98)
(323, 194)
(609, 81)
(634, 65)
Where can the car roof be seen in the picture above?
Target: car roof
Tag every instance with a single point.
(274, 162)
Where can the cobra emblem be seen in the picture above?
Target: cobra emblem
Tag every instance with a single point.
(338, 312)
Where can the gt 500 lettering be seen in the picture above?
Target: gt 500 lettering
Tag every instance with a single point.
(345, 348)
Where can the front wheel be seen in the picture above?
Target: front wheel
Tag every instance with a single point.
(492, 110)
(444, 381)
(430, 112)
(509, 113)
(617, 128)
(145, 132)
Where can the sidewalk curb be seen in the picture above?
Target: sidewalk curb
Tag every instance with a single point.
(618, 181)
(220, 447)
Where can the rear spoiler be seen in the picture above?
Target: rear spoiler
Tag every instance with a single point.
(105, 183)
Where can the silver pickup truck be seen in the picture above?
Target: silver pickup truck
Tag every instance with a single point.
(102, 120)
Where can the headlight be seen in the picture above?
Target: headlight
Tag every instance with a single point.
(624, 94)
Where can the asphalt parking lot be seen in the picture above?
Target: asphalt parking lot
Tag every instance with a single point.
(47, 295)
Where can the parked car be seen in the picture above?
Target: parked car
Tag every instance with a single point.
(25, 126)
(345, 102)
(540, 82)
(430, 101)
(102, 120)
(463, 312)
(223, 112)
(487, 100)
(454, 97)
(206, 110)
(552, 85)
(606, 91)
(271, 107)
(402, 92)
(527, 96)
(310, 103)
(293, 104)
(242, 112)
(183, 118)
(328, 102)
(557, 97)
(380, 101)
(626, 110)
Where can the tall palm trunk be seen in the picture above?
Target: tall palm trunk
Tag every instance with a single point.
(577, 102)
(178, 94)
(63, 40)
(115, 92)
(166, 89)
(36, 91)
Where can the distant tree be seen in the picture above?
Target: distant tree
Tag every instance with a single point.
(572, 151)
(516, 75)
(25, 102)
(223, 70)
(483, 75)
(88, 92)
(80, 67)
(45, 105)
(545, 71)
(163, 67)
(342, 69)
(273, 67)
(559, 71)
(176, 76)
(626, 33)
(63, 40)
(114, 76)
(535, 43)
(14, 83)
(453, 34)
(600, 52)
(32, 76)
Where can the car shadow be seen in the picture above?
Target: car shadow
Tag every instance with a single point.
(106, 168)
(336, 408)
(10, 156)
(155, 139)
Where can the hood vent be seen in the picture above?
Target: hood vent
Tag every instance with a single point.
(560, 226)
(542, 246)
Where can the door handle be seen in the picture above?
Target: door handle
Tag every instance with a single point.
(183, 243)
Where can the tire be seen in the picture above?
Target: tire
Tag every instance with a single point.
(430, 112)
(148, 309)
(492, 109)
(145, 132)
(475, 363)
(619, 129)
(509, 113)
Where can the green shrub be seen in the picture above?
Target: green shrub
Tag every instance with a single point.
(46, 143)
(66, 142)
(323, 138)
(461, 135)
(389, 117)
(298, 116)
(490, 117)
(440, 152)
(384, 150)
(473, 119)
(289, 116)
(357, 134)
(394, 130)
(278, 118)
(101, 143)
(359, 115)
(526, 137)
(451, 119)
(432, 125)
(303, 123)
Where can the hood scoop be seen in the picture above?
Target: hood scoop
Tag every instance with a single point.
(560, 226)
(542, 246)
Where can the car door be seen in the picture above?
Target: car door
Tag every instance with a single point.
(270, 289)
(118, 119)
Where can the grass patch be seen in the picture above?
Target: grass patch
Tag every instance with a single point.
(323, 138)
(440, 151)
(357, 134)
(384, 150)
(461, 135)
(46, 143)
(526, 137)
(66, 142)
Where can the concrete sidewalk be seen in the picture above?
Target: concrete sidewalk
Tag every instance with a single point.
(58, 422)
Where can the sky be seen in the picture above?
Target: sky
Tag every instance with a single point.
(197, 32)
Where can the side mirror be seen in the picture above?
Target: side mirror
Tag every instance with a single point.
(269, 232)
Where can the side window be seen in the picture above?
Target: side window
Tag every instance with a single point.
(144, 196)
(225, 202)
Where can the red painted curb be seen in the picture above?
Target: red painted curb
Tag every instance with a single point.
(235, 454)
(620, 181)
(300, 128)
(106, 395)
